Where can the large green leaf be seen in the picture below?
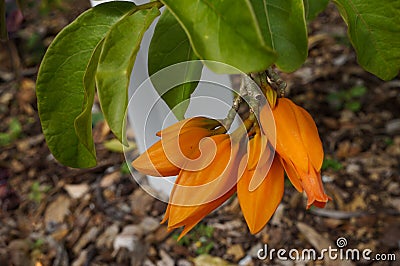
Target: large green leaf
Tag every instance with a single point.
(224, 31)
(83, 123)
(59, 88)
(115, 65)
(374, 31)
(313, 7)
(170, 45)
(283, 27)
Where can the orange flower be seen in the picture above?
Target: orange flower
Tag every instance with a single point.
(260, 188)
(299, 147)
(212, 166)
(197, 193)
(197, 213)
(178, 143)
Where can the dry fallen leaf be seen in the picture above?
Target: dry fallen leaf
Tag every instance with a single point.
(141, 202)
(110, 179)
(81, 260)
(166, 259)
(85, 239)
(208, 260)
(77, 191)
(125, 241)
(236, 251)
(106, 239)
(57, 210)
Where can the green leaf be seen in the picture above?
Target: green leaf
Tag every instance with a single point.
(59, 86)
(13, 132)
(332, 164)
(284, 29)
(124, 169)
(358, 91)
(115, 65)
(373, 29)
(353, 106)
(224, 31)
(170, 45)
(5, 139)
(313, 7)
(83, 123)
(115, 145)
(15, 128)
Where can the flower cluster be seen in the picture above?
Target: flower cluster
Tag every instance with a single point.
(212, 165)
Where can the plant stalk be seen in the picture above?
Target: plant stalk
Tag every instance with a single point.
(149, 5)
(227, 122)
(275, 78)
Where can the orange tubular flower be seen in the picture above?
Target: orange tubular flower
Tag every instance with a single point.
(197, 193)
(212, 166)
(197, 213)
(299, 147)
(259, 200)
(178, 143)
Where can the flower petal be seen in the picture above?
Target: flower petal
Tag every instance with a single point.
(267, 124)
(292, 174)
(289, 142)
(196, 188)
(310, 136)
(312, 185)
(297, 134)
(263, 160)
(184, 148)
(254, 151)
(154, 162)
(183, 125)
(258, 151)
(167, 156)
(201, 212)
(259, 205)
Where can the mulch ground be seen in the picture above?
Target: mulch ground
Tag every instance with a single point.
(54, 215)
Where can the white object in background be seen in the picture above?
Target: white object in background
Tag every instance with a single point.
(204, 93)
(97, 2)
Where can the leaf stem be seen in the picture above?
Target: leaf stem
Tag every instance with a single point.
(149, 5)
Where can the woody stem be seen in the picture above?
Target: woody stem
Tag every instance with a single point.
(250, 92)
(227, 122)
(243, 92)
(276, 79)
